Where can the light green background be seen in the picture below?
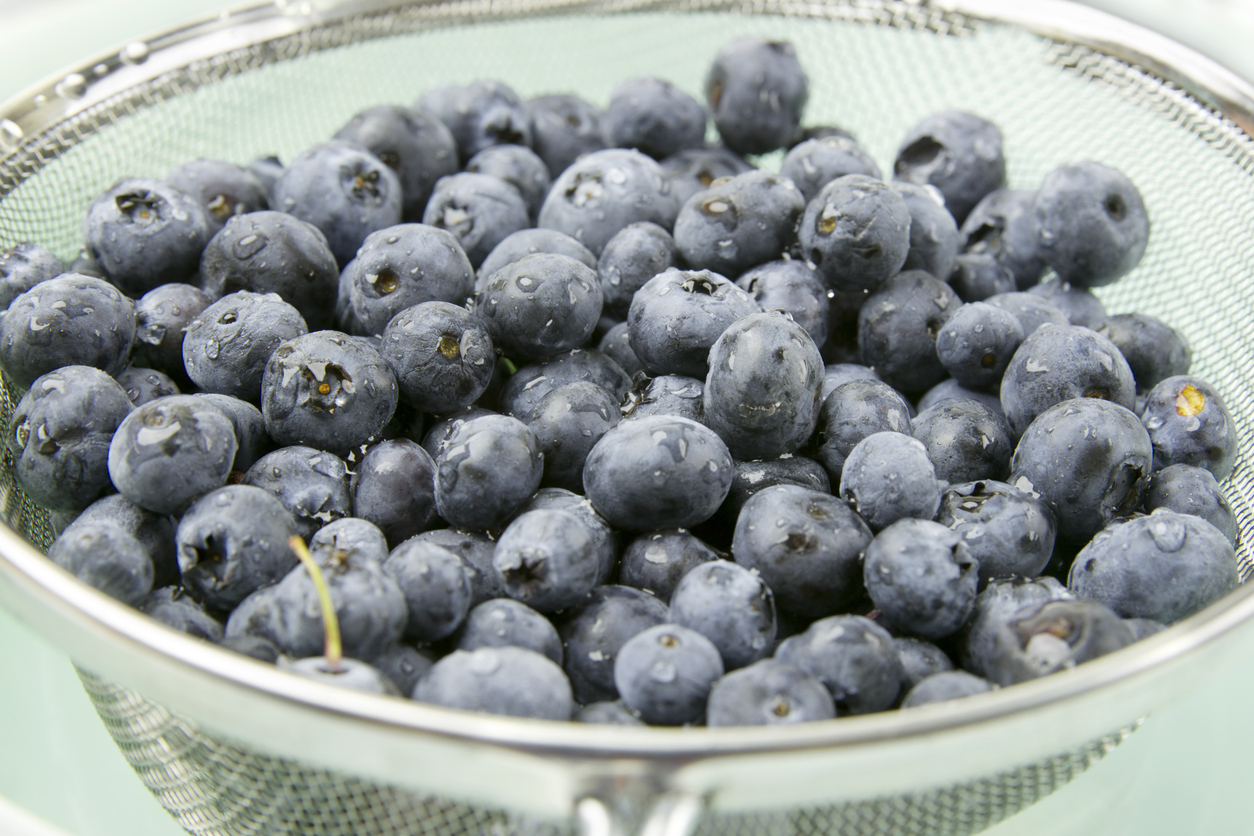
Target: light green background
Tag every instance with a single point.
(1184, 773)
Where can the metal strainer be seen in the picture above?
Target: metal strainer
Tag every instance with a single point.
(230, 746)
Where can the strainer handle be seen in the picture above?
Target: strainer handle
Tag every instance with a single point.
(673, 813)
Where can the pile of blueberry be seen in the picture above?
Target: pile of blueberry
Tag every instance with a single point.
(584, 417)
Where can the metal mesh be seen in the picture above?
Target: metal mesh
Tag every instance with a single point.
(875, 68)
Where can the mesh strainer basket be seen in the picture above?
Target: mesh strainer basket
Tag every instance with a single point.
(230, 746)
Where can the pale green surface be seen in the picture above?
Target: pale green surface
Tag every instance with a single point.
(1184, 773)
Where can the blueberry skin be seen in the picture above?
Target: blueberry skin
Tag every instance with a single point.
(856, 232)
(898, 327)
(851, 655)
(888, 477)
(1079, 304)
(944, 686)
(654, 116)
(763, 393)
(957, 152)
(504, 622)
(498, 680)
(1003, 226)
(155, 533)
(919, 660)
(436, 587)
(1154, 350)
(355, 537)
(977, 343)
(658, 472)
(806, 545)
(487, 468)
(568, 422)
(836, 374)
(226, 347)
(23, 266)
(978, 276)
(312, 484)
(480, 114)
(665, 673)
(1089, 459)
(327, 390)
(1058, 362)
(934, 236)
(546, 559)
(255, 647)
(793, 287)
(416, 145)
(172, 608)
(1010, 532)
(224, 189)
(813, 163)
(1165, 567)
(666, 394)
(613, 713)
(768, 693)
(735, 224)
(233, 541)
(146, 233)
(1189, 423)
(161, 315)
(604, 538)
(250, 428)
(564, 127)
(921, 577)
(107, 558)
(540, 306)
(654, 562)
(853, 411)
(616, 345)
(965, 441)
(676, 317)
(1093, 223)
(394, 488)
(1055, 636)
(525, 242)
(169, 451)
(598, 631)
(694, 169)
(441, 354)
(349, 673)
(272, 252)
(478, 209)
(950, 388)
(403, 665)
(71, 320)
(59, 434)
(753, 476)
(757, 91)
(524, 390)
(1031, 309)
(602, 192)
(144, 385)
(730, 606)
(1187, 489)
(475, 550)
(995, 607)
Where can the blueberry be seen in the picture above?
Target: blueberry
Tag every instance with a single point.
(753, 476)
(1093, 224)
(475, 550)
(312, 484)
(654, 116)
(656, 561)
(498, 680)
(762, 395)
(518, 245)
(612, 713)
(757, 91)
(1079, 304)
(71, 320)
(441, 354)
(480, 114)
(730, 606)
(1055, 636)
(837, 374)
(144, 385)
(233, 541)
(479, 210)
(658, 472)
(965, 440)
(851, 655)
(740, 222)
(226, 347)
(224, 189)
(921, 578)
(1165, 567)
(568, 421)
(919, 660)
(272, 252)
(604, 538)
(898, 327)
(169, 451)
(695, 169)
(677, 315)
(813, 163)
(161, 316)
(416, 145)
(266, 169)
(487, 468)
(23, 266)
(59, 435)
(934, 236)
(616, 344)
(666, 394)
(546, 560)
(343, 190)
(1089, 459)
(950, 388)
(853, 411)
(1187, 489)
(105, 557)
(1003, 227)
(1031, 309)
(1009, 532)
(977, 342)
(793, 287)
(596, 633)
(146, 233)
(995, 607)
(540, 306)
(174, 609)
(1189, 423)
(807, 546)
(604, 191)
(436, 588)
(327, 390)
(564, 128)
(1154, 350)
(957, 152)
(665, 674)
(889, 477)
(394, 488)
(979, 276)
(250, 428)
(944, 686)
(503, 622)
(155, 533)
(527, 387)
(357, 538)
(768, 693)
(346, 673)
(856, 231)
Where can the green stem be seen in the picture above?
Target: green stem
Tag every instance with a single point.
(334, 651)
